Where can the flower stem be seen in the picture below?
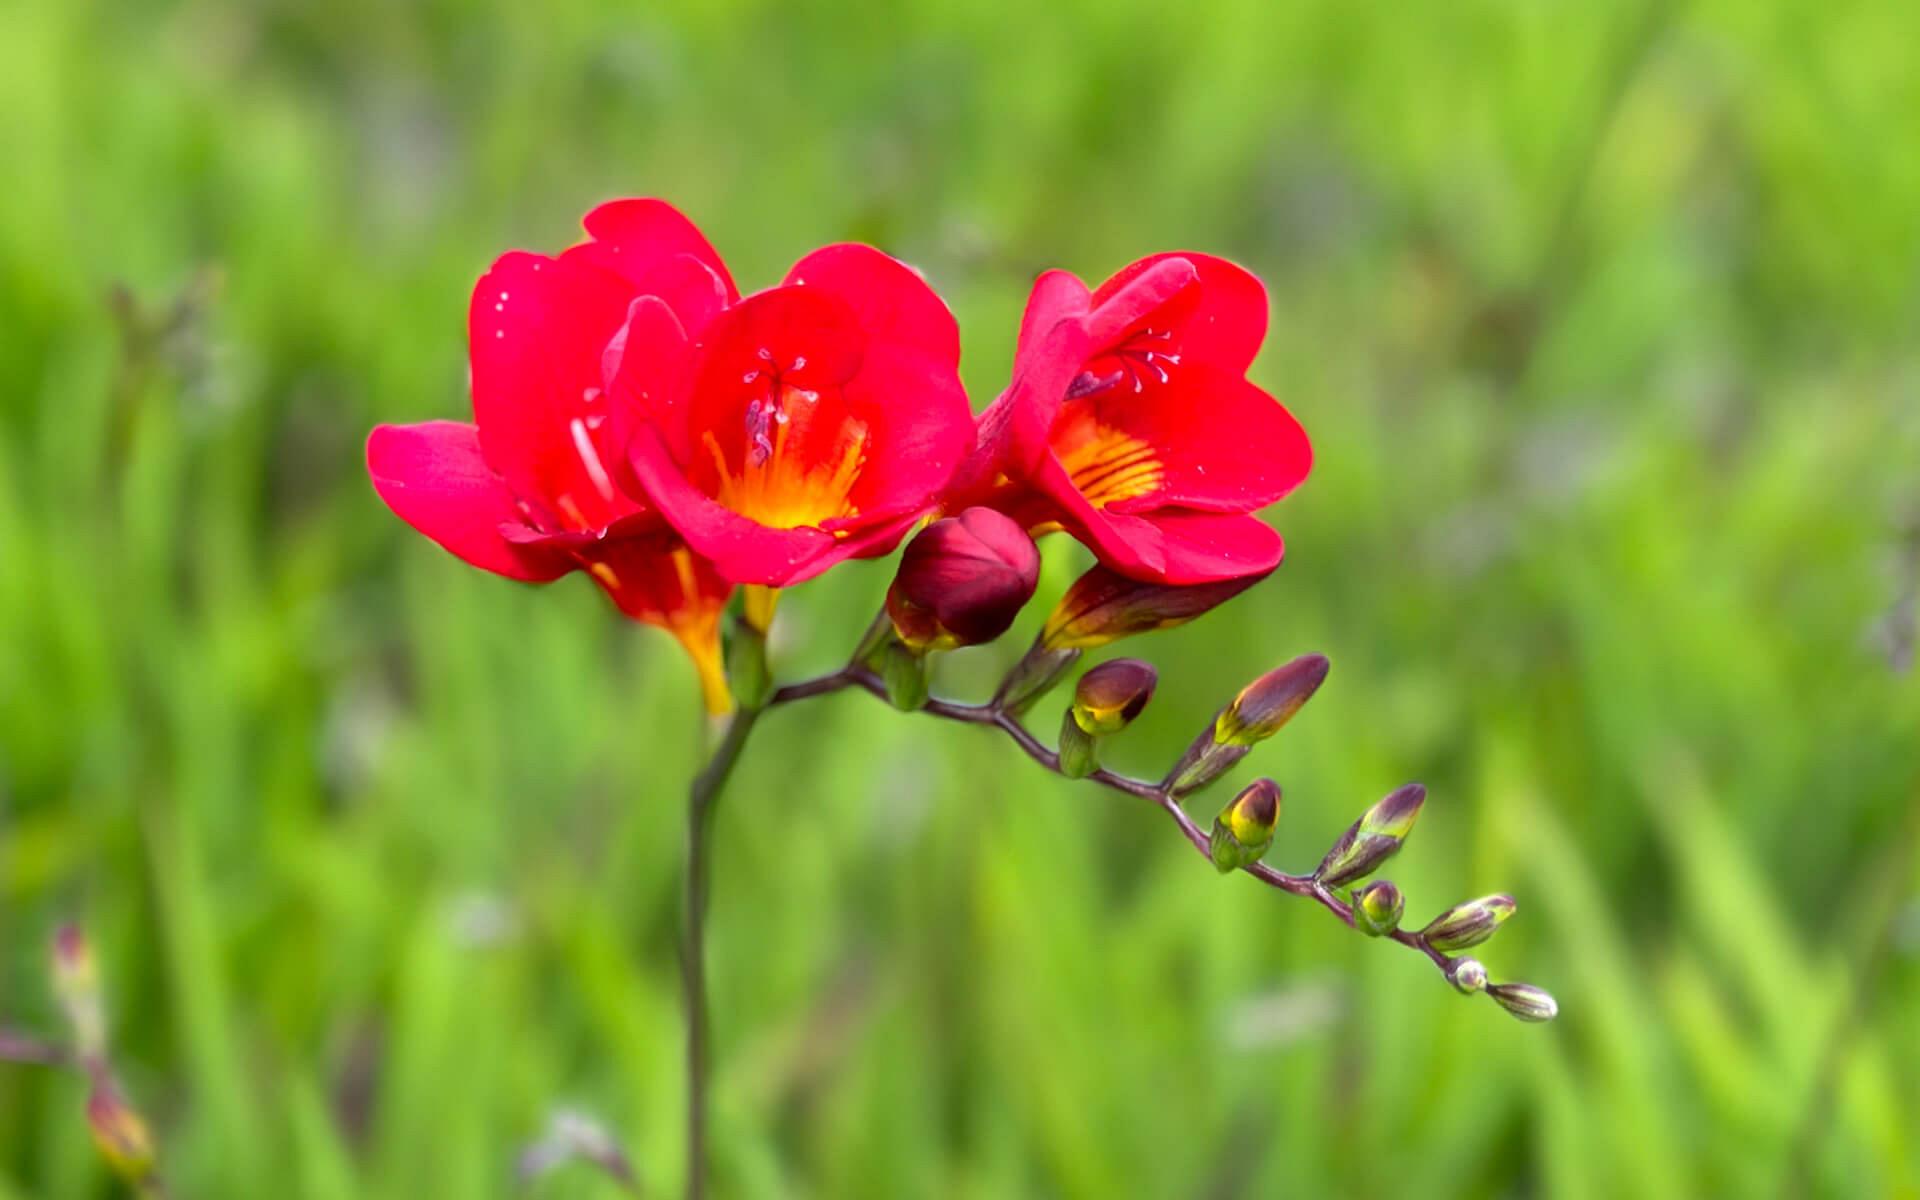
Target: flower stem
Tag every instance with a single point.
(701, 800)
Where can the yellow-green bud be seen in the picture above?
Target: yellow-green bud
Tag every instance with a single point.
(76, 981)
(1109, 697)
(1377, 908)
(1525, 1001)
(1467, 976)
(1270, 701)
(1078, 756)
(1467, 925)
(120, 1134)
(1243, 831)
(1373, 839)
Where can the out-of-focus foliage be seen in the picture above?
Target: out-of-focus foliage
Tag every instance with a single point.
(1603, 318)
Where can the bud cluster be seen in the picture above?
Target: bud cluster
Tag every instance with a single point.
(963, 580)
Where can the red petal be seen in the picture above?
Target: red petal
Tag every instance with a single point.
(890, 300)
(536, 332)
(1222, 443)
(1135, 294)
(1203, 547)
(1229, 321)
(631, 237)
(433, 477)
(1057, 296)
(646, 366)
(918, 426)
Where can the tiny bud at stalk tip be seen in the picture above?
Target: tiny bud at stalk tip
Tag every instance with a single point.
(1525, 1001)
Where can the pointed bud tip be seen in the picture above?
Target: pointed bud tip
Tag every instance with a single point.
(1269, 702)
(1525, 1001)
(1467, 925)
(1104, 605)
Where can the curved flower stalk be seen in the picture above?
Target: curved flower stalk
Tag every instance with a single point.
(638, 419)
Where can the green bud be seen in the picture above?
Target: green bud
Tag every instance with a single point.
(1270, 701)
(1078, 756)
(1104, 606)
(905, 676)
(1243, 831)
(1109, 697)
(1373, 839)
(1033, 677)
(1525, 1001)
(1467, 976)
(1377, 908)
(747, 673)
(1467, 925)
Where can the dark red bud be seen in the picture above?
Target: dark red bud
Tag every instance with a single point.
(1111, 695)
(1104, 605)
(963, 580)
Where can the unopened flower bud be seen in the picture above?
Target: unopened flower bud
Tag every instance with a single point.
(1469, 924)
(1243, 831)
(748, 679)
(905, 675)
(1377, 908)
(1525, 1001)
(1079, 756)
(1104, 605)
(1111, 695)
(1373, 839)
(1467, 976)
(120, 1134)
(1267, 703)
(76, 981)
(963, 580)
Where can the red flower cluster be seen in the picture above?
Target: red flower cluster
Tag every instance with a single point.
(635, 417)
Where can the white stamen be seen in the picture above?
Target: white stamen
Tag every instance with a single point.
(590, 459)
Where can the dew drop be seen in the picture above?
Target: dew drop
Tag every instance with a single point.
(503, 295)
(499, 333)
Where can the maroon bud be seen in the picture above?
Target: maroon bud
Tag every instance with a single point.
(1110, 696)
(962, 581)
(1103, 606)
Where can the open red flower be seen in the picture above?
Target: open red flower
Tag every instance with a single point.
(813, 422)
(1131, 424)
(536, 486)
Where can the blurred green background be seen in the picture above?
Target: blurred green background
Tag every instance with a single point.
(1602, 317)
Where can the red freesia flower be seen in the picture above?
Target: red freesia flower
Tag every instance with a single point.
(1131, 424)
(810, 423)
(536, 487)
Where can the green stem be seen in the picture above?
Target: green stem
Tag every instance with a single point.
(701, 800)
